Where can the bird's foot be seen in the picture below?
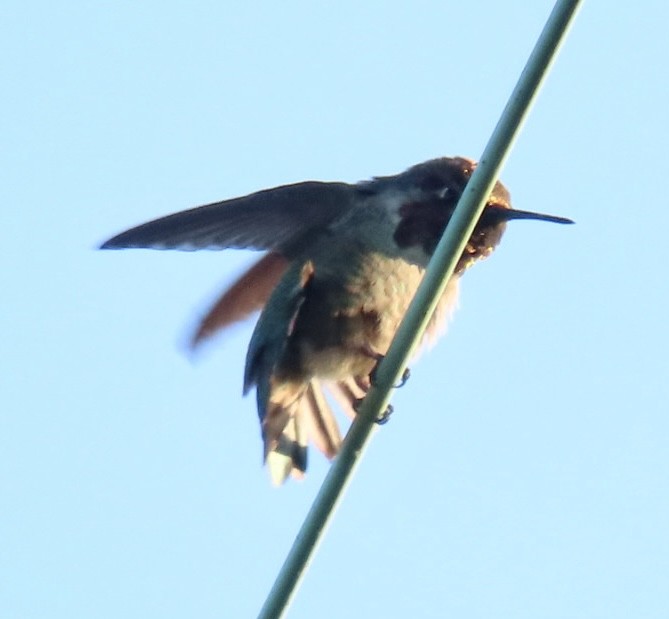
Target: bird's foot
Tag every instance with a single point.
(383, 417)
(403, 379)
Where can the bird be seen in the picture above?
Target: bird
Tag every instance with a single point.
(341, 265)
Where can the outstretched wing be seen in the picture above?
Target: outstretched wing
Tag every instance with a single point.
(277, 219)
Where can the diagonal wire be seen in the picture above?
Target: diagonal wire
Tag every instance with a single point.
(409, 334)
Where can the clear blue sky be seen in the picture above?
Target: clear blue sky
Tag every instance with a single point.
(524, 473)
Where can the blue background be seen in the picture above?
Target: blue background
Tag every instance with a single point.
(525, 471)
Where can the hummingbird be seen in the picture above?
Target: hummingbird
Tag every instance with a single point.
(341, 265)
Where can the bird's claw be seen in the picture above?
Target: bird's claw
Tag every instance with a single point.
(403, 379)
(383, 417)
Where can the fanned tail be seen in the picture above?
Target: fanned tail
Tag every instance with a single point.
(289, 425)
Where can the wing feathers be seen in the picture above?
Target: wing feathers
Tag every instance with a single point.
(270, 219)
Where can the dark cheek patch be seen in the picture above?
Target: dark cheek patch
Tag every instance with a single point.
(422, 224)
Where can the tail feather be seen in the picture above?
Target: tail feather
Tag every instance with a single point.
(288, 427)
(287, 455)
(321, 422)
(285, 440)
(348, 393)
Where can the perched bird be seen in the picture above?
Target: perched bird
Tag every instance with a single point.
(342, 265)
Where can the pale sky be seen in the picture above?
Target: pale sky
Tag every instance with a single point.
(524, 472)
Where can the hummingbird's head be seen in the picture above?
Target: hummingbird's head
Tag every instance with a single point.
(440, 183)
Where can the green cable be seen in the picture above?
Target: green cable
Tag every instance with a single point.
(410, 332)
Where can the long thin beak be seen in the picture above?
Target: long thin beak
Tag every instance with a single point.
(507, 214)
